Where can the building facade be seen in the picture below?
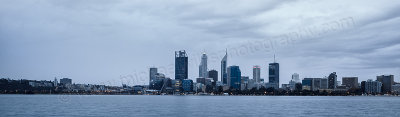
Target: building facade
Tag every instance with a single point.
(257, 73)
(65, 81)
(224, 72)
(332, 81)
(153, 71)
(274, 74)
(350, 82)
(372, 87)
(213, 74)
(181, 65)
(187, 85)
(387, 82)
(296, 77)
(203, 66)
(234, 77)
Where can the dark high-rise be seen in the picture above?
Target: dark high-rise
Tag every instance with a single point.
(332, 81)
(181, 65)
(153, 72)
(224, 73)
(387, 82)
(234, 77)
(274, 74)
(213, 74)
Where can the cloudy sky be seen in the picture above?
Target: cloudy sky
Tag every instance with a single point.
(116, 41)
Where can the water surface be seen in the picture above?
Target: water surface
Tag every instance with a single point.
(143, 105)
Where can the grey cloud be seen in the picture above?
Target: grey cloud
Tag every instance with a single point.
(102, 40)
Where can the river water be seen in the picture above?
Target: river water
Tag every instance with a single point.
(202, 106)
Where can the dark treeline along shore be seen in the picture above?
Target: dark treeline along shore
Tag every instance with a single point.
(9, 86)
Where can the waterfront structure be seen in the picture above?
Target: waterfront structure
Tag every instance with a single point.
(372, 87)
(152, 73)
(187, 85)
(213, 74)
(203, 66)
(177, 86)
(396, 88)
(181, 65)
(324, 83)
(387, 82)
(224, 64)
(65, 81)
(257, 73)
(234, 77)
(314, 84)
(363, 86)
(201, 80)
(332, 81)
(274, 74)
(350, 82)
(244, 82)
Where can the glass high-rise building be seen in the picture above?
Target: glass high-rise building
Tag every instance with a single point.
(274, 74)
(332, 81)
(153, 72)
(257, 74)
(181, 65)
(203, 66)
(224, 73)
(234, 77)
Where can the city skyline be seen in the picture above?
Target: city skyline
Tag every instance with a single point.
(116, 44)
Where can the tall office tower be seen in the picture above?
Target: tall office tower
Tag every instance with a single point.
(203, 66)
(332, 81)
(274, 74)
(213, 74)
(296, 78)
(350, 82)
(387, 82)
(234, 77)
(256, 73)
(181, 65)
(224, 73)
(153, 72)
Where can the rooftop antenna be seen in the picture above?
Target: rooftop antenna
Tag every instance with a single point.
(274, 59)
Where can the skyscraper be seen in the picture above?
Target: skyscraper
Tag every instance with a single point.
(274, 74)
(181, 65)
(234, 77)
(213, 74)
(387, 82)
(224, 73)
(203, 66)
(332, 81)
(153, 72)
(256, 73)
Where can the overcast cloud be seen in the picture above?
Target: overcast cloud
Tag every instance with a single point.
(98, 41)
